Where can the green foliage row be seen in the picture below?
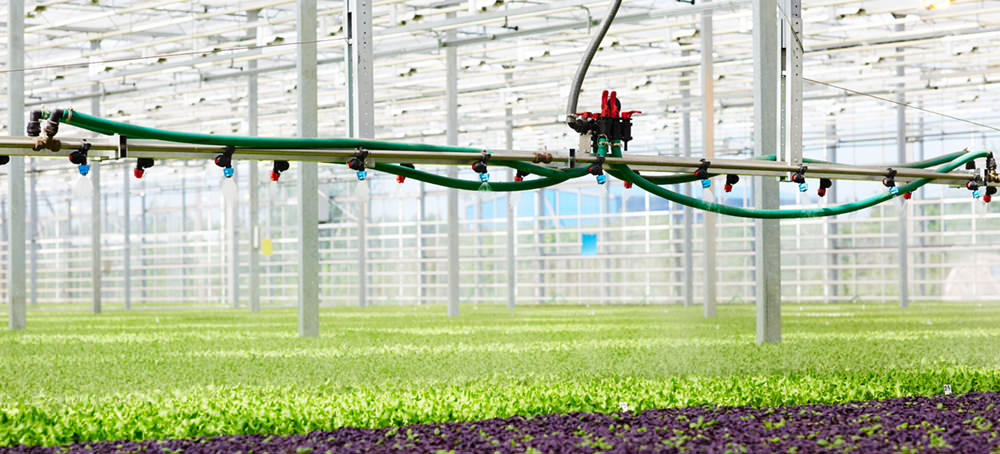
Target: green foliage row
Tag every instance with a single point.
(143, 375)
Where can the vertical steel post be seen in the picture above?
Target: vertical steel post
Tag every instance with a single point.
(15, 179)
(511, 214)
(308, 189)
(766, 194)
(792, 34)
(126, 240)
(904, 221)
(688, 211)
(362, 114)
(33, 228)
(708, 143)
(253, 281)
(451, 62)
(232, 213)
(832, 272)
(95, 208)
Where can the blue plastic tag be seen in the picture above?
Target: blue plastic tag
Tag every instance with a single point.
(84, 169)
(894, 190)
(484, 177)
(803, 187)
(706, 183)
(362, 175)
(977, 193)
(601, 179)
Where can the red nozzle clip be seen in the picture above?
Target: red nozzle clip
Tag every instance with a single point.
(628, 185)
(728, 188)
(275, 176)
(605, 107)
(630, 113)
(908, 195)
(400, 179)
(821, 192)
(517, 178)
(987, 198)
(138, 173)
(613, 104)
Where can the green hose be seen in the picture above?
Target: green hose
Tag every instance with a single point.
(688, 178)
(549, 176)
(625, 173)
(469, 185)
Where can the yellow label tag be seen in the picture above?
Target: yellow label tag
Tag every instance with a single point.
(265, 247)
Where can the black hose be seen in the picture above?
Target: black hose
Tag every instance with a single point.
(588, 56)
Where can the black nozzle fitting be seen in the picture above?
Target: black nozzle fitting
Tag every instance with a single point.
(702, 172)
(79, 157)
(225, 159)
(52, 125)
(34, 128)
(597, 168)
(890, 179)
(480, 165)
(800, 175)
(357, 163)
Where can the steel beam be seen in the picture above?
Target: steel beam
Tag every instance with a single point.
(33, 229)
(792, 46)
(16, 294)
(511, 213)
(253, 281)
(688, 211)
(832, 260)
(451, 60)
(95, 210)
(126, 238)
(904, 222)
(308, 188)
(766, 194)
(361, 113)
(708, 143)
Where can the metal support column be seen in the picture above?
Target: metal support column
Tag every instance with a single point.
(95, 209)
(766, 194)
(904, 221)
(308, 190)
(708, 143)
(832, 272)
(232, 233)
(688, 211)
(15, 176)
(511, 214)
(33, 229)
(451, 60)
(361, 114)
(126, 241)
(253, 281)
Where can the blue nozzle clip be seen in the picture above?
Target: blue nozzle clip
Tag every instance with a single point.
(362, 175)
(228, 172)
(803, 187)
(977, 193)
(894, 190)
(84, 169)
(706, 183)
(601, 179)
(484, 177)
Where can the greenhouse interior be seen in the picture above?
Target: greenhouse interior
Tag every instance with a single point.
(512, 226)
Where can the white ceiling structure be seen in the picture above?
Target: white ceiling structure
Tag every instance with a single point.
(183, 65)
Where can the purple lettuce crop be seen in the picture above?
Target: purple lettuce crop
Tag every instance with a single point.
(968, 423)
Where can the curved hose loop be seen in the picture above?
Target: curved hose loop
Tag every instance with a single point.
(625, 173)
(688, 178)
(470, 185)
(588, 56)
